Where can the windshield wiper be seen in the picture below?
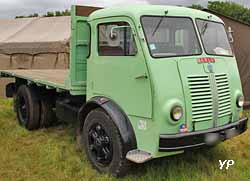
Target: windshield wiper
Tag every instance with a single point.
(157, 27)
(204, 27)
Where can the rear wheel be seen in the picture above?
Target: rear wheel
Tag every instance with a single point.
(14, 104)
(27, 107)
(103, 144)
(48, 116)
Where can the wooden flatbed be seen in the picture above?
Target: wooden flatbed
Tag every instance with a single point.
(49, 78)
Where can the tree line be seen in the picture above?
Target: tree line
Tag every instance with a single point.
(48, 14)
(227, 8)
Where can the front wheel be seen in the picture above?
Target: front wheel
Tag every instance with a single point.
(103, 144)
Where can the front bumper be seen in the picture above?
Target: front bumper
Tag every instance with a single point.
(197, 139)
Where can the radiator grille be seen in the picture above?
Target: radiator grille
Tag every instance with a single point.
(224, 97)
(201, 97)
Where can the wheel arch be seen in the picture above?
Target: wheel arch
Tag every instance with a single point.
(119, 117)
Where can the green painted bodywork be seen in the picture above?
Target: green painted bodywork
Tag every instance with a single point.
(149, 100)
(79, 51)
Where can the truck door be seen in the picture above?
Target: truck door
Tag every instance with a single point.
(117, 67)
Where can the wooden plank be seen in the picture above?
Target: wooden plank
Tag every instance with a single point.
(85, 10)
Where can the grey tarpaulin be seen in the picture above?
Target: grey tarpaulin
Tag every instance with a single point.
(34, 43)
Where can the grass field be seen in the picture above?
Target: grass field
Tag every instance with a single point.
(52, 154)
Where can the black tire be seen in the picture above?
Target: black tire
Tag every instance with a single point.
(14, 104)
(48, 116)
(27, 107)
(114, 163)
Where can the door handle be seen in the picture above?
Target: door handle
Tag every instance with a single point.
(141, 77)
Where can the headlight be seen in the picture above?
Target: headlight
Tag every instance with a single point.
(240, 101)
(176, 113)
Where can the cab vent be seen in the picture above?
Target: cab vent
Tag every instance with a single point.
(201, 97)
(224, 97)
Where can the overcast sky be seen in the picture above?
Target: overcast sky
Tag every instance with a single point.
(12, 8)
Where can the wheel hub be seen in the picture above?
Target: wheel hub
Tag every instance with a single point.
(100, 144)
(22, 108)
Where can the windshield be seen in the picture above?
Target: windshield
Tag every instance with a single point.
(170, 36)
(214, 38)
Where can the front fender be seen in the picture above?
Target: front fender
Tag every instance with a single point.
(118, 116)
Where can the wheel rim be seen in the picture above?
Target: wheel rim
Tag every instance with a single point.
(22, 110)
(100, 145)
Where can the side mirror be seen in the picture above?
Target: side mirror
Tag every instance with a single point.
(113, 33)
(230, 34)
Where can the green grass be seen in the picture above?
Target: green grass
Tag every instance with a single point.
(52, 154)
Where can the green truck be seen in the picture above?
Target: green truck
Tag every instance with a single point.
(144, 82)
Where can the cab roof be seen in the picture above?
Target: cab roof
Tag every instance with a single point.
(136, 11)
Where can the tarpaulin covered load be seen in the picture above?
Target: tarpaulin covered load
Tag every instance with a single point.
(34, 43)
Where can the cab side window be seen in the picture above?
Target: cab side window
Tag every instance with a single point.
(116, 39)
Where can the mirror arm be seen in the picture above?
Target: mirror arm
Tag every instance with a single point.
(230, 34)
(117, 27)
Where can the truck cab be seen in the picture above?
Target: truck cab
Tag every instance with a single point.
(149, 81)
(171, 69)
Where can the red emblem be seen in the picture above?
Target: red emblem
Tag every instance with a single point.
(206, 60)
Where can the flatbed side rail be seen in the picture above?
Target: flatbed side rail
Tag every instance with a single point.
(24, 74)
